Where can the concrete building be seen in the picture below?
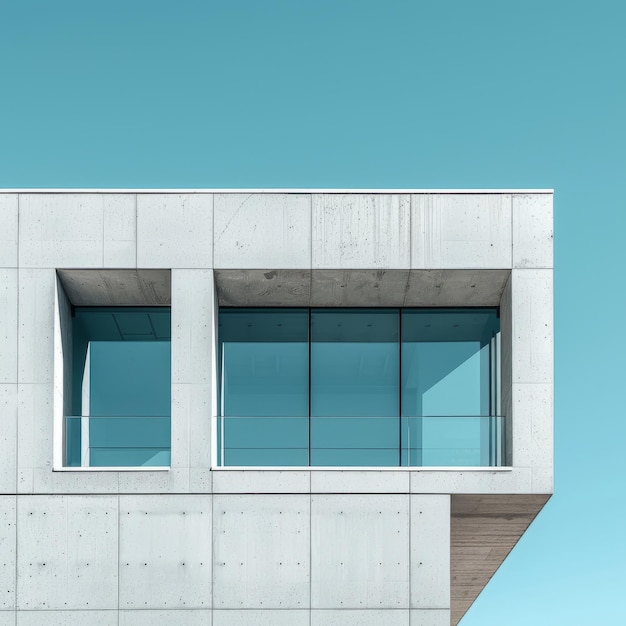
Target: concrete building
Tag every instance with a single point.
(269, 408)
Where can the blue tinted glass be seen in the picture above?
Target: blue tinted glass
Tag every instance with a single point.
(445, 361)
(121, 381)
(130, 378)
(354, 363)
(264, 360)
(354, 387)
(451, 441)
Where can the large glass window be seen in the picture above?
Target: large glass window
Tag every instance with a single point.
(121, 399)
(359, 387)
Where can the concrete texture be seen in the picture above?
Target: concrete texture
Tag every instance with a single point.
(122, 287)
(365, 288)
(165, 552)
(352, 617)
(532, 231)
(8, 552)
(262, 552)
(461, 231)
(262, 230)
(360, 231)
(67, 552)
(8, 330)
(430, 552)
(8, 229)
(362, 540)
(8, 437)
(175, 231)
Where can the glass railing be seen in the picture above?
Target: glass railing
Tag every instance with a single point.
(118, 441)
(360, 441)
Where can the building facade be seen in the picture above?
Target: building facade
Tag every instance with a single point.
(264, 408)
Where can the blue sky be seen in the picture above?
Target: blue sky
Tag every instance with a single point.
(361, 93)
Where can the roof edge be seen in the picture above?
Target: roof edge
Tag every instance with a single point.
(269, 190)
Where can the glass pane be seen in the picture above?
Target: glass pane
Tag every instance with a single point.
(264, 359)
(121, 385)
(130, 378)
(452, 441)
(354, 363)
(445, 361)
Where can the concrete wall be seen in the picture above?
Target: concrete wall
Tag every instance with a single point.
(129, 541)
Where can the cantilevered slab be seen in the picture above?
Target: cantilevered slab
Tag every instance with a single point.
(483, 530)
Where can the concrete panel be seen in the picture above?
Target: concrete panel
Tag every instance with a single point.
(200, 480)
(8, 328)
(191, 617)
(67, 618)
(533, 232)
(266, 617)
(455, 287)
(461, 231)
(517, 480)
(533, 323)
(192, 318)
(34, 426)
(7, 553)
(121, 287)
(62, 230)
(358, 287)
(359, 551)
(120, 231)
(191, 426)
(175, 230)
(165, 552)
(263, 287)
(261, 551)
(8, 438)
(262, 230)
(533, 427)
(175, 480)
(543, 480)
(367, 617)
(361, 231)
(346, 481)
(425, 617)
(7, 618)
(45, 481)
(430, 551)
(264, 481)
(8, 230)
(36, 325)
(67, 552)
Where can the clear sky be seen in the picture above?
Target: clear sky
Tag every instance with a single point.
(386, 93)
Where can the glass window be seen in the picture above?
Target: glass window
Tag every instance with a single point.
(121, 398)
(264, 395)
(359, 387)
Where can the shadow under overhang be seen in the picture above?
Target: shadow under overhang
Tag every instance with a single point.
(360, 287)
